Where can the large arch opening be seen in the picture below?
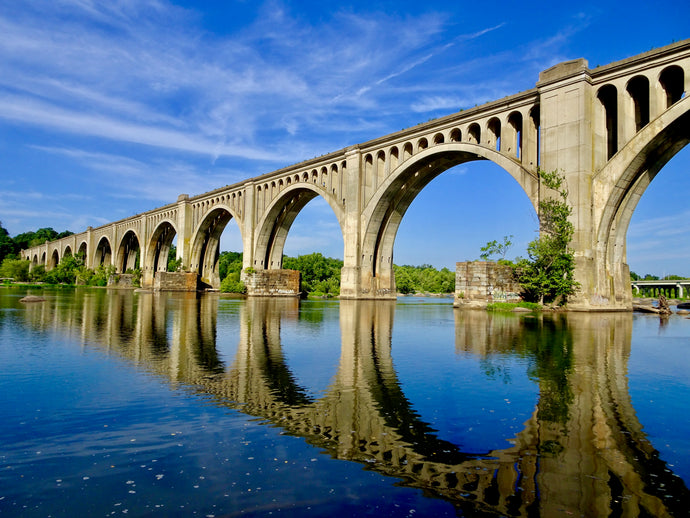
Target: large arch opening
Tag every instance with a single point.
(658, 237)
(104, 253)
(53, 260)
(129, 253)
(159, 247)
(302, 231)
(627, 177)
(436, 222)
(205, 252)
(278, 222)
(82, 251)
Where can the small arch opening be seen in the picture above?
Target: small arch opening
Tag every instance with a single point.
(608, 97)
(638, 89)
(474, 134)
(672, 80)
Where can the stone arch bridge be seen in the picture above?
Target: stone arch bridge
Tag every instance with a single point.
(609, 130)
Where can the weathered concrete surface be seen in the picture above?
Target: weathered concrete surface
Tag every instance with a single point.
(272, 283)
(176, 281)
(122, 280)
(480, 282)
(608, 130)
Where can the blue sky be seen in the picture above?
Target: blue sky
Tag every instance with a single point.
(111, 108)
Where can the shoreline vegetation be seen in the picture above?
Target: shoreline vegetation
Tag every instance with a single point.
(546, 276)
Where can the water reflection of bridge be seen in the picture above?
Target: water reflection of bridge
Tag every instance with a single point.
(581, 451)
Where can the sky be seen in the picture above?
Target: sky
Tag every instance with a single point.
(112, 108)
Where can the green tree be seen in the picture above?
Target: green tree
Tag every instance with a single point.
(495, 248)
(66, 271)
(232, 284)
(7, 244)
(229, 262)
(16, 269)
(320, 275)
(174, 264)
(38, 237)
(548, 273)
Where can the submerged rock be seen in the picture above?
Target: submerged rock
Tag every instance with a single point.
(32, 298)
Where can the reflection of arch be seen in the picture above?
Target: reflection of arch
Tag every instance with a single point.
(206, 245)
(269, 374)
(628, 174)
(582, 451)
(128, 252)
(273, 229)
(389, 204)
(159, 247)
(104, 253)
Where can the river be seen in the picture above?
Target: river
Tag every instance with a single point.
(117, 402)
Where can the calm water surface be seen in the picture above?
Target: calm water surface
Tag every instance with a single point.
(140, 404)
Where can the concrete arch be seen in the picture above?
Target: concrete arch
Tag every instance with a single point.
(205, 241)
(156, 257)
(384, 213)
(273, 227)
(53, 259)
(82, 251)
(103, 254)
(67, 251)
(621, 183)
(129, 252)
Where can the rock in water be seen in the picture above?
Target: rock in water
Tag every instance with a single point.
(32, 298)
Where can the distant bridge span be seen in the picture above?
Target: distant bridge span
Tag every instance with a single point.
(609, 130)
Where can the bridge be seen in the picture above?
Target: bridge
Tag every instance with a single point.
(609, 130)
(675, 287)
(581, 451)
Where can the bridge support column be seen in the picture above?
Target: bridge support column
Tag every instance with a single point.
(184, 230)
(351, 272)
(567, 146)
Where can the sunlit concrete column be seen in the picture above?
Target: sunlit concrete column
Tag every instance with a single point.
(567, 105)
(249, 226)
(350, 276)
(184, 230)
(657, 98)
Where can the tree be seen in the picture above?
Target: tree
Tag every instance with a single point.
(7, 244)
(495, 248)
(40, 236)
(16, 269)
(548, 273)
